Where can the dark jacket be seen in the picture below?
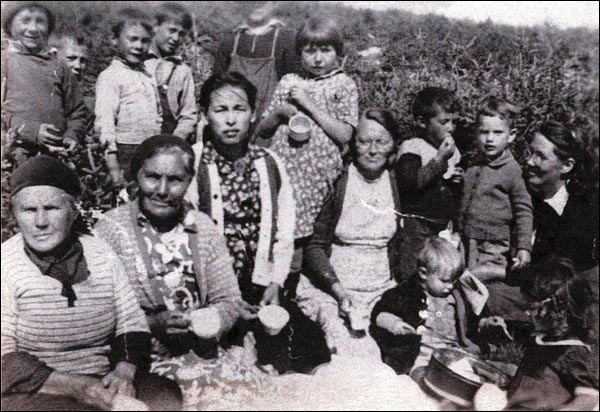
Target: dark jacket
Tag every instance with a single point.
(406, 301)
(573, 235)
(316, 263)
(495, 202)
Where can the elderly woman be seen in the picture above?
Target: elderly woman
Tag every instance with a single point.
(176, 260)
(247, 192)
(351, 257)
(73, 334)
(565, 217)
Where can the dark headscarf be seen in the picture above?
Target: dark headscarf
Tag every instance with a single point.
(44, 170)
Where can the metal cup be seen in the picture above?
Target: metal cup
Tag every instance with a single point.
(299, 125)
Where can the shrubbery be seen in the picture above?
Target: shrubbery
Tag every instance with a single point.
(546, 71)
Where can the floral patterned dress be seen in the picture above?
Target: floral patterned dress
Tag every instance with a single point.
(240, 190)
(315, 165)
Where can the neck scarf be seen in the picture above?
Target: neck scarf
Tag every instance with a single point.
(66, 264)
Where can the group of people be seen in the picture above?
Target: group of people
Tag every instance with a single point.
(379, 247)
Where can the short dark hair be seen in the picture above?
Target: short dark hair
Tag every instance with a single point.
(220, 80)
(10, 14)
(76, 35)
(130, 17)
(494, 106)
(430, 100)
(320, 31)
(174, 12)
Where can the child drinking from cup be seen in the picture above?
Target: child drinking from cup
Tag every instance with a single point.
(329, 98)
(426, 312)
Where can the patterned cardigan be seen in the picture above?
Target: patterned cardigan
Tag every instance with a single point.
(217, 283)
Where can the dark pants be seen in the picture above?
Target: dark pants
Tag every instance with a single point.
(299, 347)
(160, 394)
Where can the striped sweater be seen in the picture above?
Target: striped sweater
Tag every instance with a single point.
(37, 320)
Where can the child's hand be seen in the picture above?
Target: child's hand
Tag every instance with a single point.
(446, 149)
(457, 175)
(48, 135)
(69, 144)
(248, 311)
(521, 260)
(113, 168)
(300, 96)
(285, 112)
(394, 324)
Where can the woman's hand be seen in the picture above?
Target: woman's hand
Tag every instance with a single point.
(120, 380)
(86, 389)
(271, 295)
(302, 98)
(344, 300)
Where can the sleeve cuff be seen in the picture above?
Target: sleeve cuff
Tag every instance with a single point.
(132, 347)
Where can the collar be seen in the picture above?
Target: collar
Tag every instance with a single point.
(501, 160)
(539, 340)
(558, 202)
(154, 53)
(332, 73)
(64, 252)
(187, 219)
(259, 31)
(16, 47)
(138, 68)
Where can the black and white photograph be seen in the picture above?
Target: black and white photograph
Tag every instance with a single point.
(300, 205)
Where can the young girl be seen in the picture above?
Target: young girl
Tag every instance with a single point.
(330, 99)
(560, 371)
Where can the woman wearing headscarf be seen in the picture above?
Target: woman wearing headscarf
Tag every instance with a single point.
(73, 334)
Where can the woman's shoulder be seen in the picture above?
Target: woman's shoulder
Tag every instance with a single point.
(12, 250)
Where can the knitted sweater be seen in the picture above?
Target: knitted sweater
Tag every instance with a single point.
(39, 90)
(217, 284)
(36, 319)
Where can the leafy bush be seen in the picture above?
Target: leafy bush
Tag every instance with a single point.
(549, 73)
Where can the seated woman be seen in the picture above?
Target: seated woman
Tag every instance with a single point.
(350, 260)
(247, 192)
(176, 260)
(73, 334)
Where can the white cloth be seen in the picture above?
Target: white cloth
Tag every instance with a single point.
(559, 200)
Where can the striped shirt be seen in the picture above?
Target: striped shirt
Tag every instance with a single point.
(37, 320)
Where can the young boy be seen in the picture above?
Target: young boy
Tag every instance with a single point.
(172, 22)
(73, 50)
(41, 96)
(428, 178)
(128, 107)
(496, 213)
(426, 312)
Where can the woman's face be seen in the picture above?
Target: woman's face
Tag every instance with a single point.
(229, 115)
(544, 168)
(374, 146)
(163, 182)
(45, 215)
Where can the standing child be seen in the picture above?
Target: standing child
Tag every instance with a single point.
(172, 22)
(42, 97)
(127, 103)
(428, 176)
(330, 99)
(496, 213)
(427, 312)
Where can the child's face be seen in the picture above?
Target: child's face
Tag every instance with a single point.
(75, 57)
(440, 126)
(438, 284)
(30, 28)
(168, 37)
(133, 44)
(319, 60)
(493, 135)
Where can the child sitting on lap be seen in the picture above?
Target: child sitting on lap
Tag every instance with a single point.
(425, 313)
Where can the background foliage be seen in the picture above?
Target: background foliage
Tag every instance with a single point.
(549, 73)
